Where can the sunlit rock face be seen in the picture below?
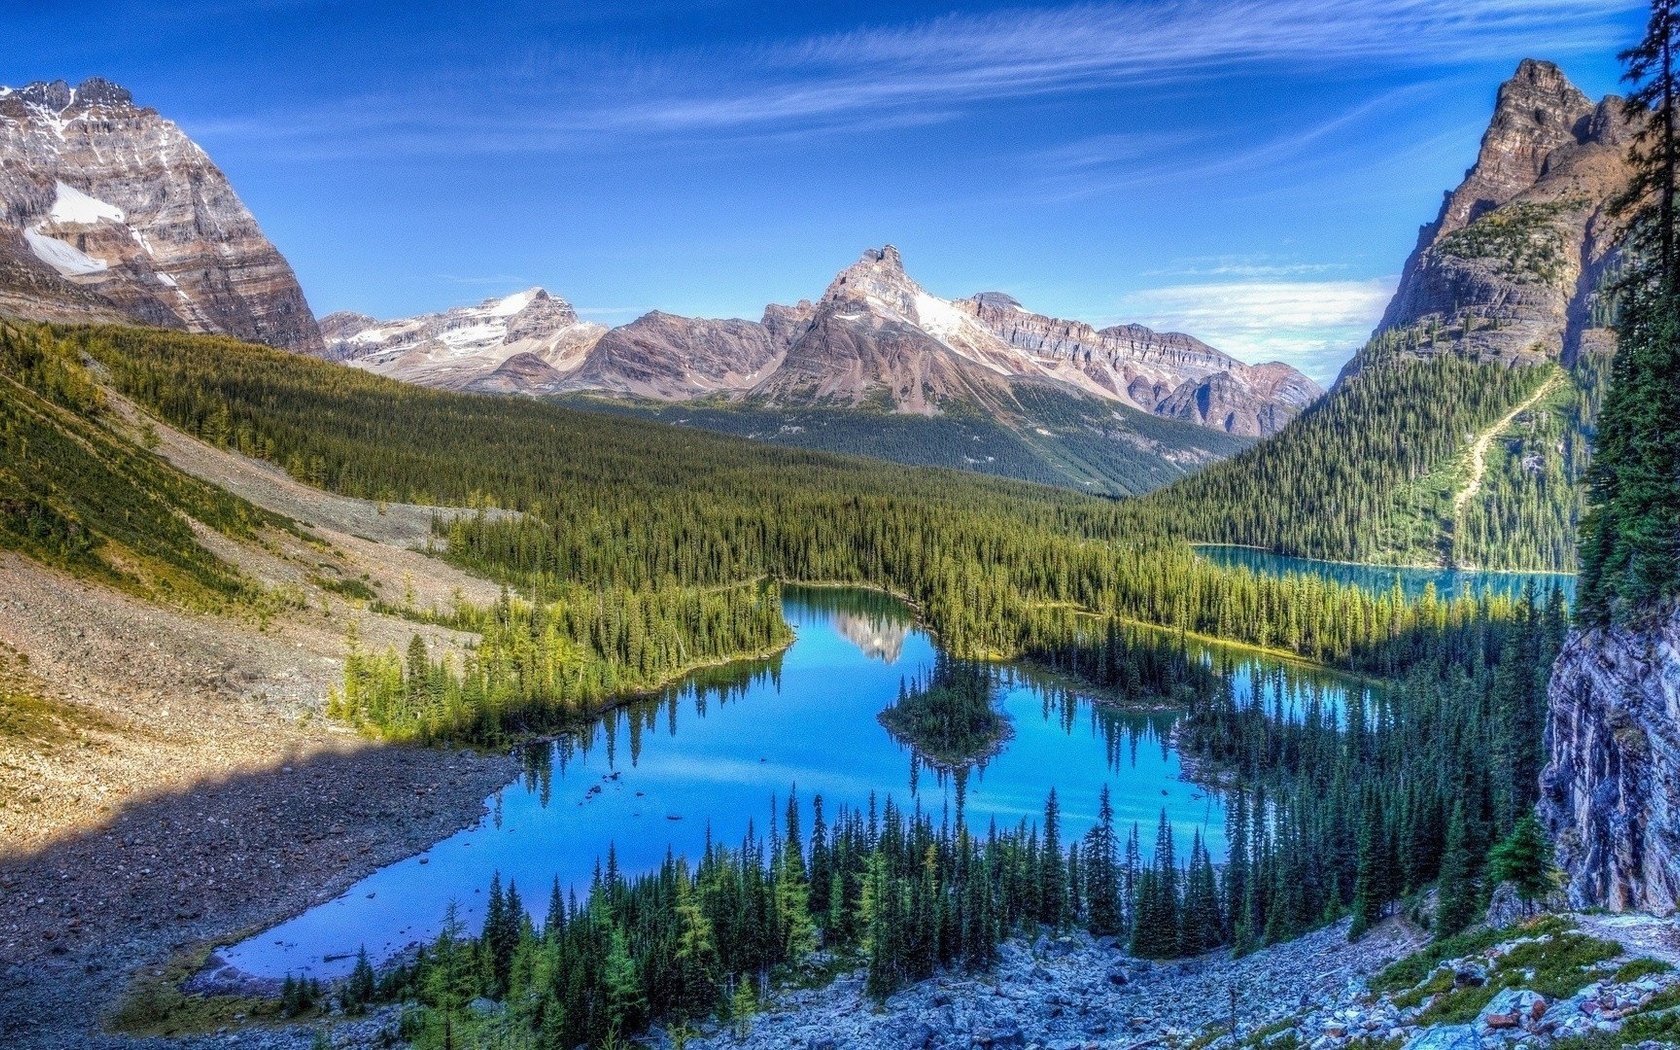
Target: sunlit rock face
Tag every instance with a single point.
(524, 343)
(1611, 793)
(109, 212)
(1512, 267)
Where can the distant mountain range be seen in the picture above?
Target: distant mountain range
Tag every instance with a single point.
(875, 339)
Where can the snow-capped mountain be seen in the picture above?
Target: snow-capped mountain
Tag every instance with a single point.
(876, 338)
(109, 212)
(465, 347)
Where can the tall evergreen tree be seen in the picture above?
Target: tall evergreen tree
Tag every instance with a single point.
(1630, 542)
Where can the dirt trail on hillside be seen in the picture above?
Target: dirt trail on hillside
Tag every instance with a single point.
(1479, 448)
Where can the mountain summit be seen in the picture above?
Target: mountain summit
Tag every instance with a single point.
(1511, 267)
(109, 212)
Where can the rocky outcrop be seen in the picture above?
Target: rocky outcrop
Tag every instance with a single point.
(109, 212)
(1509, 269)
(494, 347)
(1165, 373)
(671, 358)
(1611, 792)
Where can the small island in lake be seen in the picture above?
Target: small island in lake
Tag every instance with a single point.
(947, 715)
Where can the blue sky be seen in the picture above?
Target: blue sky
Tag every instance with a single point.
(1253, 172)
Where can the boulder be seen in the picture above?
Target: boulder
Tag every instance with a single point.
(1446, 1037)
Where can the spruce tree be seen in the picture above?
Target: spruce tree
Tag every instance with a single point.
(1524, 859)
(1053, 900)
(1630, 537)
(1456, 891)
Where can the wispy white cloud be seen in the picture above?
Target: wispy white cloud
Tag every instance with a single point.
(1313, 325)
(1014, 54)
(920, 72)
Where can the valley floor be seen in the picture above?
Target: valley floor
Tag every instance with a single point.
(168, 777)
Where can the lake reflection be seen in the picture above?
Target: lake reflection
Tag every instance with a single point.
(719, 754)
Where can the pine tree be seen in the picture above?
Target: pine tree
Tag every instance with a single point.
(1630, 538)
(1103, 890)
(1524, 859)
(1456, 891)
(622, 984)
(1053, 900)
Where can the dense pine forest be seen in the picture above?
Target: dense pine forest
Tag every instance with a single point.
(607, 502)
(1371, 472)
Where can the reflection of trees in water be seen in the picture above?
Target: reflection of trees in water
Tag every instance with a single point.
(720, 685)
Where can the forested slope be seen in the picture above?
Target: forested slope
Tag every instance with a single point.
(1382, 470)
(614, 502)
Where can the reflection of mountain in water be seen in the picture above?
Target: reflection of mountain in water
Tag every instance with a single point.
(880, 637)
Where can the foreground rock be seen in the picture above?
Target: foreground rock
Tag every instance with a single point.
(1076, 992)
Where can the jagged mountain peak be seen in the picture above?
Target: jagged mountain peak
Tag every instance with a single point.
(1537, 112)
(59, 97)
(1510, 267)
(878, 278)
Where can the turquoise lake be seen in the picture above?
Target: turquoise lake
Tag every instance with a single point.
(725, 748)
(1380, 579)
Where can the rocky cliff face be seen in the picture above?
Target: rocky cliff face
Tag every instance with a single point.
(108, 212)
(671, 358)
(1611, 792)
(1509, 269)
(495, 347)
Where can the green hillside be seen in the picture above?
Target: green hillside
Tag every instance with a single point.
(1436, 460)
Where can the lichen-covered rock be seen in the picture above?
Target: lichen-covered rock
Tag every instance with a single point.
(1611, 791)
(109, 212)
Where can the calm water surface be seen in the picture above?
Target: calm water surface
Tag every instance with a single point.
(1380, 579)
(721, 753)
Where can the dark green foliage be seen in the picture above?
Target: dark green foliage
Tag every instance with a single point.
(613, 503)
(1630, 540)
(948, 715)
(1528, 510)
(1414, 782)
(300, 995)
(1349, 479)
(1524, 859)
(555, 660)
(75, 493)
(360, 988)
